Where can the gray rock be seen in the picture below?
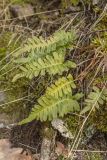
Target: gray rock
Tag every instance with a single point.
(59, 125)
(21, 11)
(2, 96)
(95, 2)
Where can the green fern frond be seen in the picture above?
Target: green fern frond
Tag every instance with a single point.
(49, 108)
(62, 86)
(40, 47)
(96, 98)
(51, 64)
(48, 56)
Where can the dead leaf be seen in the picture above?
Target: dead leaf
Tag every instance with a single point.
(61, 149)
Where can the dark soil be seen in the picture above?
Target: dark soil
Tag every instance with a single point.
(27, 136)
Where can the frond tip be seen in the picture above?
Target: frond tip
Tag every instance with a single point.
(62, 86)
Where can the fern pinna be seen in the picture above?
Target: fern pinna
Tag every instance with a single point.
(48, 56)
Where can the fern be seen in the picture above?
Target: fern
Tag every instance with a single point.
(50, 64)
(49, 108)
(63, 86)
(40, 47)
(48, 56)
(96, 98)
(40, 61)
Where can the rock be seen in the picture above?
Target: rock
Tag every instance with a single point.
(45, 149)
(6, 123)
(59, 125)
(72, 9)
(95, 2)
(2, 96)
(5, 119)
(21, 11)
(8, 153)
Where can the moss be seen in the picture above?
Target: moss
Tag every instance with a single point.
(93, 156)
(47, 131)
(75, 2)
(8, 70)
(20, 1)
(8, 43)
(72, 123)
(100, 119)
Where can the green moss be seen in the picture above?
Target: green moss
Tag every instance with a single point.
(8, 69)
(100, 119)
(8, 43)
(75, 2)
(72, 123)
(48, 131)
(93, 156)
(20, 1)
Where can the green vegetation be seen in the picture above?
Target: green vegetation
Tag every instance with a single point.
(19, 1)
(50, 58)
(94, 156)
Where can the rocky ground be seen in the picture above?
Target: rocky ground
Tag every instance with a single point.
(43, 18)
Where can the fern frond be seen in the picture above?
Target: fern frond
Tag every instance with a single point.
(49, 108)
(62, 86)
(51, 64)
(96, 98)
(40, 46)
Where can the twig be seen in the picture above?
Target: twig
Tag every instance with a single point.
(89, 151)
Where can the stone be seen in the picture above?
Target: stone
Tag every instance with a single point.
(59, 125)
(2, 96)
(95, 2)
(9, 153)
(21, 11)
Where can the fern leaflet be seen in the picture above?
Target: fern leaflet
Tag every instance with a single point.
(62, 86)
